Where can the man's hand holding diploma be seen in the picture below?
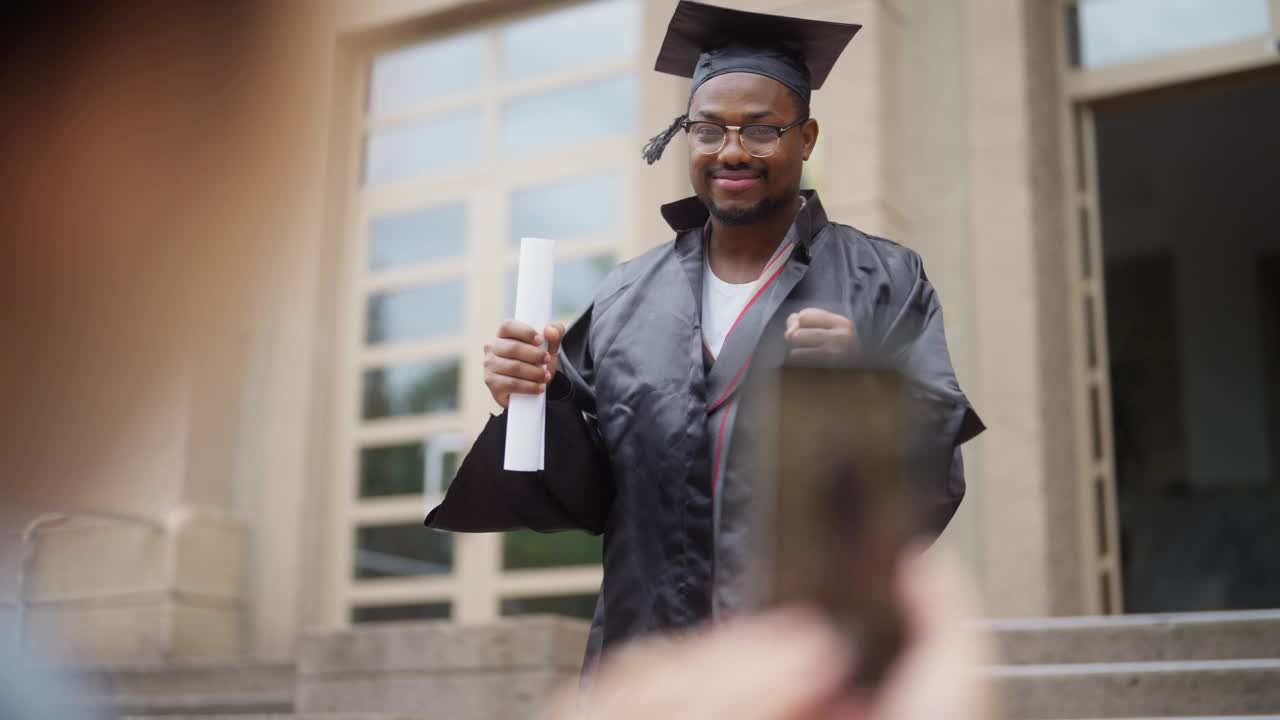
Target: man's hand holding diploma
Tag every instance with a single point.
(520, 360)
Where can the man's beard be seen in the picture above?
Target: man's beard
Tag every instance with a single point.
(763, 210)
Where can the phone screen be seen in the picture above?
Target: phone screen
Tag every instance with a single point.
(835, 510)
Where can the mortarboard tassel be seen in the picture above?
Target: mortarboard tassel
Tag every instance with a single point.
(658, 143)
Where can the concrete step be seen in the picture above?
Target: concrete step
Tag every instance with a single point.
(190, 688)
(1238, 635)
(1203, 689)
(342, 716)
(202, 706)
(1211, 665)
(384, 716)
(1134, 690)
(503, 670)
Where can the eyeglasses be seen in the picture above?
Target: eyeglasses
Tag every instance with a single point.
(758, 139)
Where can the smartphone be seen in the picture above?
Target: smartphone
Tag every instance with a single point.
(833, 509)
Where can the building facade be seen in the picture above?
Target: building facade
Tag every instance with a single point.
(1085, 179)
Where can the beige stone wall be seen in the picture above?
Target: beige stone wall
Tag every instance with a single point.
(1022, 341)
(664, 97)
(282, 475)
(1066, 495)
(1009, 380)
(937, 167)
(105, 592)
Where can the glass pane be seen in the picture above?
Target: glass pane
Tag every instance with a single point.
(444, 453)
(428, 611)
(403, 78)
(574, 285)
(449, 463)
(417, 236)
(1073, 35)
(1086, 246)
(442, 143)
(579, 606)
(1113, 32)
(578, 207)
(411, 389)
(525, 549)
(402, 550)
(1091, 336)
(415, 313)
(1100, 507)
(1082, 167)
(392, 470)
(576, 37)
(1095, 422)
(570, 116)
(410, 468)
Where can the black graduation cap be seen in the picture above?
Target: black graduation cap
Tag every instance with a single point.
(704, 41)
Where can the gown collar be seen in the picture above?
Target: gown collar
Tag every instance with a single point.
(689, 215)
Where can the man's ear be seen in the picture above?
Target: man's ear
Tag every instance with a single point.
(809, 133)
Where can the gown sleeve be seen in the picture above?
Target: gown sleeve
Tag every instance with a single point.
(914, 341)
(575, 490)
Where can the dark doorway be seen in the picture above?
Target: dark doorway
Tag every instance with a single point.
(1189, 184)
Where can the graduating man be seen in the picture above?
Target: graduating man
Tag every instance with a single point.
(644, 390)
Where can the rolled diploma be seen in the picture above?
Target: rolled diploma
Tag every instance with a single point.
(527, 414)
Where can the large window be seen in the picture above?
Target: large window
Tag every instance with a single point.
(1116, 32)
(467, 141)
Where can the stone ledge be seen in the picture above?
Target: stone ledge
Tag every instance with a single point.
(107, 589)
(189, 549)
(535, 642)
(1132, 690)
(223, 687)
(204, 679)
(1139, 638)
(196, 705)
(496, 695)
(163, 631)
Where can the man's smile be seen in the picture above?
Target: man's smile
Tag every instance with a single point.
(735, 180)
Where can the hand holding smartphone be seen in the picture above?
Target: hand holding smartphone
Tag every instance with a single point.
(835, 510)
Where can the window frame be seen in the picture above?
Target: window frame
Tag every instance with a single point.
(478, 584)
(1098, 526)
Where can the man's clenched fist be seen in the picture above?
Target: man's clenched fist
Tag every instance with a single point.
(815, 334)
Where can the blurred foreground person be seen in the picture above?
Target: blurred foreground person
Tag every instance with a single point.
(789, 664)
(148, 147)
(647, 440)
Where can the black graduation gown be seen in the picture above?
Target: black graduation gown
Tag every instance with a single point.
(641, 424)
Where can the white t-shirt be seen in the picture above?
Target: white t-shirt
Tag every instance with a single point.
(721, 304)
